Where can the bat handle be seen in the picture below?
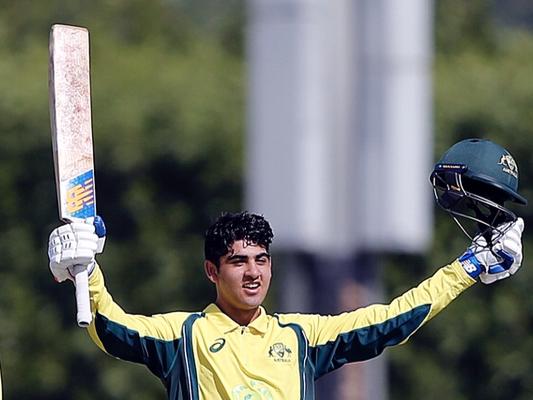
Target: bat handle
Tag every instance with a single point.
(84, 315)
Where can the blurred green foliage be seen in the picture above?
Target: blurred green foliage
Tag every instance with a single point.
(168, 107)
(168, 116)
(480, 347)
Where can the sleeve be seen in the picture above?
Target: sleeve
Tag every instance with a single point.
(153, 341)
(364, 333)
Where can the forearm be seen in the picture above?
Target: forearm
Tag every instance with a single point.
(404, 315)
(409, 310)
(101, 301)
(437, 291)
(101, 304)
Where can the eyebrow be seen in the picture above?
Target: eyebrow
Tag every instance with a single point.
(245, 257)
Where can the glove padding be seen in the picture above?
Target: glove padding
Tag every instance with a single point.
(500, 261)
(75, 243)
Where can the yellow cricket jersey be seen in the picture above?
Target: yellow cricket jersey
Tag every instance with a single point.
(207, 356)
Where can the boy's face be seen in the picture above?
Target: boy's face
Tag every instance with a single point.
(242, 278)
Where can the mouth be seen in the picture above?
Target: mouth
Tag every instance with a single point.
(251, 286)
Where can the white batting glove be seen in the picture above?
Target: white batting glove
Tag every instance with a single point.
(498, 262)
(75, 243)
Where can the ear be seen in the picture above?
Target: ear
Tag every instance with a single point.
(211, 271)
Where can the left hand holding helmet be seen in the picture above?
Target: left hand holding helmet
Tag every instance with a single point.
(499, 261)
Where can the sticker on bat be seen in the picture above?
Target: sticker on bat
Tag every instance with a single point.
(80, 196)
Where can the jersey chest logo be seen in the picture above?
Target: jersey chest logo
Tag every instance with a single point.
(279, 352)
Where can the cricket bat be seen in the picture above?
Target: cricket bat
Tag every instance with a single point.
(72, 143)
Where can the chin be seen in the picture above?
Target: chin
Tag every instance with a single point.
(252, 305)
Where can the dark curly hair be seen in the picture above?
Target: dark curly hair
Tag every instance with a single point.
(230, 227)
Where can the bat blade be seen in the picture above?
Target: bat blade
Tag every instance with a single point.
(70, 112)
(72, 143)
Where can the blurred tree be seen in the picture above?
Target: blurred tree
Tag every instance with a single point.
(479, 348)
(168, 124)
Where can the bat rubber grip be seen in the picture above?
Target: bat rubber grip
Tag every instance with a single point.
(83, 303)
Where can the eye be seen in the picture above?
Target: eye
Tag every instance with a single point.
(262, 260)
(238, 262)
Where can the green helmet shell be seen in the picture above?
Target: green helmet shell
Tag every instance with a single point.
(486, 162)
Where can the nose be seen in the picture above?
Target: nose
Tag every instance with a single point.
(253, 270)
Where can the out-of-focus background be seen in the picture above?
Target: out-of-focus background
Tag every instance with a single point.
(205, 106)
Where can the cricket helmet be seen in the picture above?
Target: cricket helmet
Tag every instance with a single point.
(472, 182)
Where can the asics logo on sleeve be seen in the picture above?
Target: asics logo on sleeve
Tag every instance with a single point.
(217, 346)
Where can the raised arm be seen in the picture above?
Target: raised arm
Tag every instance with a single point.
(152, 341)
(364, 333)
